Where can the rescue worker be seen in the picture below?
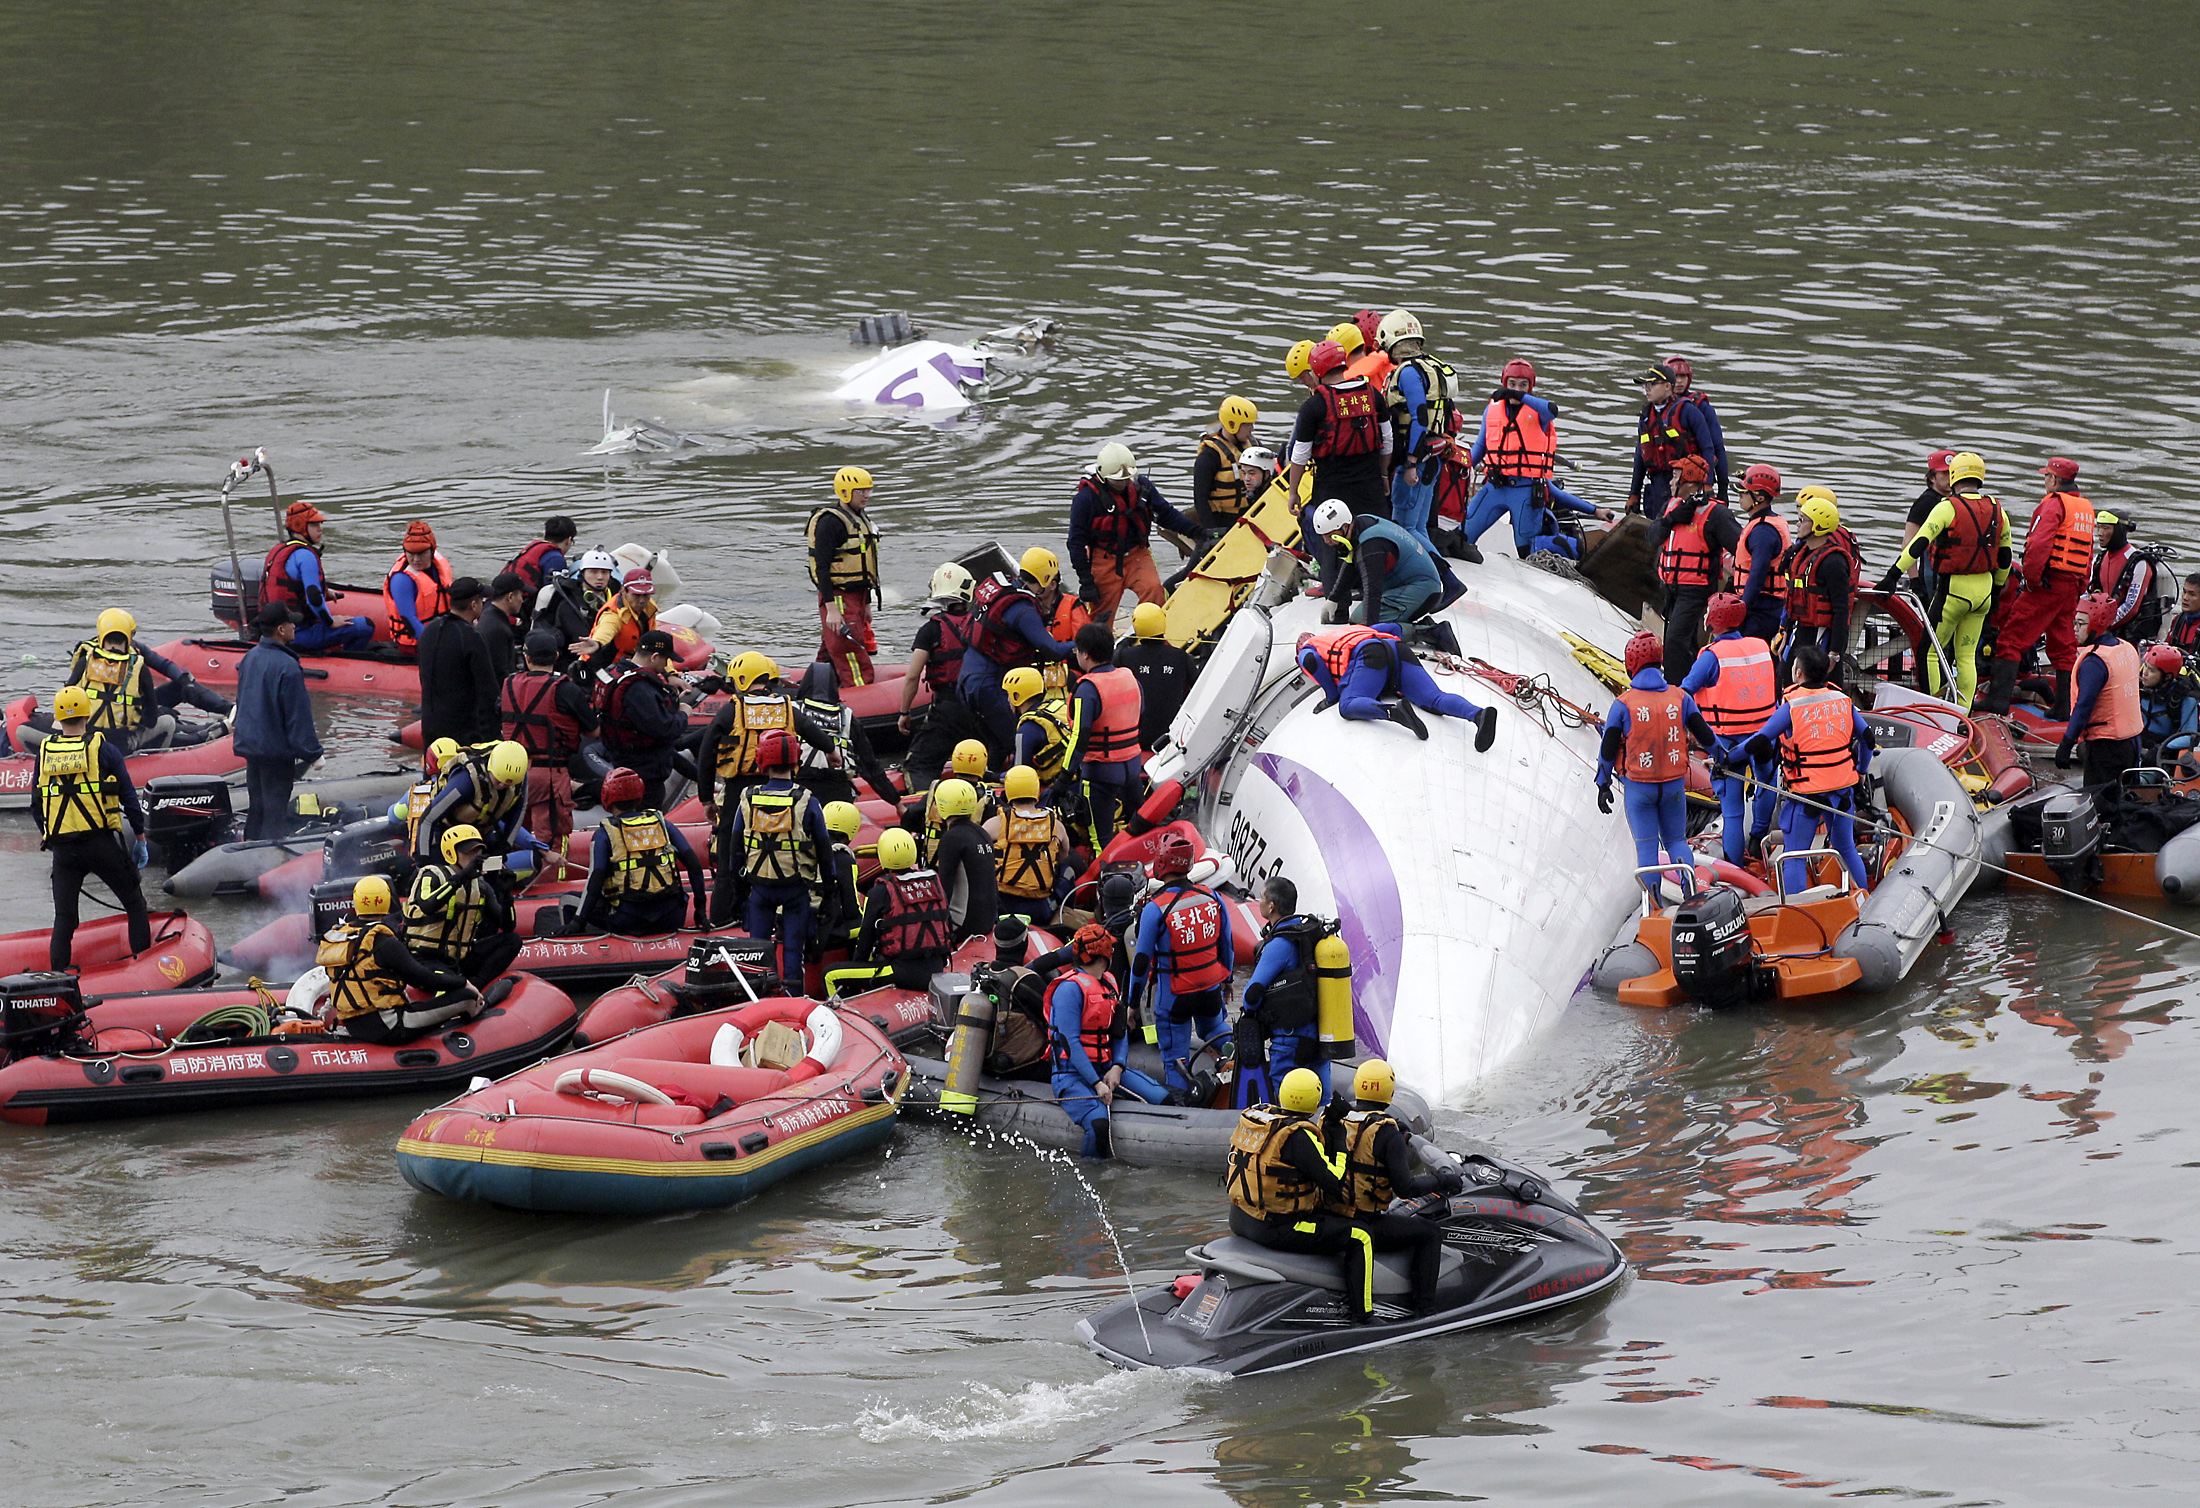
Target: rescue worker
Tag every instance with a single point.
(1967, 535)
(458, 679)
(1298, 365)
(370, 971)
(1218, 492)
(1065, 614)
(2057, 563)
(1685, 389)
(840, 898)
(1378, 1168)
(2126, 575)
(1087, 1033)
(1757, 557)
(843, 558)
(85, 800)
(542, 559)
(836, 749)
(2169, 705)
(484, 788)
(903, 937)
(1419, 392)
(547, 715)
(1937, 486)
(1257, 470)
(1646, 736)
(635, 863)
(965, 861)
(1668, 428)
(1031, 849)
(2104, 713)
(1007, 632)
(273, 729)
(1733, 684)
(935, 663)
(1818, 577)
(128, 704)
(640, 716)
(1694, 536)
(778, 844)
(621, 621)
(1825, 748)
(1164, 672)
(1184, 954)
(1107, 758)
(569, 603)
(1283, 1183)
(1383, 573)
(2183, 628)
(1278, 1028)
(417, 588)
(1360, 671)
(919, 811)
(456, 915)
(1342, 429)
(1111, 522)
(499, 623)
(729, 757)
(1042, 724)
(292, 577)
(1369, 359)
(1517, 449)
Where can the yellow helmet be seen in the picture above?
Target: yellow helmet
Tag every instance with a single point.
(115, 620)
(1966, 466)
(442, 752)
(1819, 508)
(371, 895)
(897, 848)
(455, 837)
(1347, 337)
(1236, 410)
(1298, 359)
(969, 757)
(842, 817)
(1300, 1092)
(71, 702)
(1023, 684)
(1375, 1082)
(1021, 783)
(1041, 565)
(1149, 620)
(508, 762)
(748, 668)
(955, 797)
(850, 480)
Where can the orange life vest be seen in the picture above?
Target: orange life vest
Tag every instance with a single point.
(630, 625)
(1746, 561)
(1972, 541)
(431, 595)
(1335, 646)
(1657, 735)
(2072, 550)
(2116, 711)
(1818, 753)
(1686, 559)
(1113, 736)
(1738, 702)
(1515, 442)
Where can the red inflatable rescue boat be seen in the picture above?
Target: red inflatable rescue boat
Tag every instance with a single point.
(182, 954)
(382, 671)
(19, 771)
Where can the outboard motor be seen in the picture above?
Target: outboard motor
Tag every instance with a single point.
(718, 966)
(2070, 837)
(374, 846)
(39, 1013)
(235, 603)
(185, 815)
(331, 906)
(1713, 961)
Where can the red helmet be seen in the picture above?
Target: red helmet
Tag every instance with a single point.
(1326, 357)
(1519, 366)
(622, 787)
(777, 749)
(1938, 461)
(1368, 322)
(2099, 609)
(1683, 370)
(2167, 658)
(1692, 469)
(1724, 615)
(1644, 650)
(1172, 857)
(1762, 478)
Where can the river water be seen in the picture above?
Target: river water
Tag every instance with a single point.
(1925, 1246)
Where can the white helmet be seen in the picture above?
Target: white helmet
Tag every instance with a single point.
(1259, 456)
(1332, 517)
(951, 583)
(1116, 462)
(598, 560)
(1397, 325)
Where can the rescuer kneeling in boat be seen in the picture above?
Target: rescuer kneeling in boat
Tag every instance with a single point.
(2170, 705)
(2104, 706)
(1378, 1168)
(1284, 1182)
(1087, 1032)
(1651, 723)
(1825, 748)
(1358, 668)
(369, 969)
(128, 703)
(457, 915)
(903, 938)
(635, 865)
(483, 787)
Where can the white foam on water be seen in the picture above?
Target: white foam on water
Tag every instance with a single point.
(984, 1412)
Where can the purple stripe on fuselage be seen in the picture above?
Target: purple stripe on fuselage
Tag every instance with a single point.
(1370, 913)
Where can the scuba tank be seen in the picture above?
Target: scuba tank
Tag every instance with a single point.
(1333, 991)
(966, 1050)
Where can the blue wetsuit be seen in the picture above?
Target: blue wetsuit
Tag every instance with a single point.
(1378, 668)
(1074, 1072)
(1175, 1016)
(321, 632)
(1524, 498)
(1736, 839)
(2172, 717)
(458, 789)
(405, 596)
(1762, 602)
(1298, 1047)
(1799, 824)
(980, 681)
(1410, 501)
(1657, 810)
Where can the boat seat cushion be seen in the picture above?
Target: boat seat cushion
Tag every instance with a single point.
(1250, 1259)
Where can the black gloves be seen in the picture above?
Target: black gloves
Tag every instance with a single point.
(1891, 580)
(1604, 799)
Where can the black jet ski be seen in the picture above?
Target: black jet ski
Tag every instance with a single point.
(1512, 1248)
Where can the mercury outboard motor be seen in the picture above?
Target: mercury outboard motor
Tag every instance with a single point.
(1713, 961)
(39, 1013)
(185, 815)
(2070, 837)
(717, 968)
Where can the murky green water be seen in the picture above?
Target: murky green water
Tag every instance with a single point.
(1926, 1246)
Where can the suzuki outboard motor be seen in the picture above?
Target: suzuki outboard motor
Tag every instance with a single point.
(374, 846)
(1712, 959)
(2070, 837)
(185, 815)
(39, 1013)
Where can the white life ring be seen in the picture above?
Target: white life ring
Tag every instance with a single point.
(725, 1047)
(306, 995)
(595, 1083)
(823, 1024)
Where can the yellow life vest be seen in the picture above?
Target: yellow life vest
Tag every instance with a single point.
(643, 861)
(1025, 863)
(1226, 498)
(442, 915)
(755, 713)
(1053, 753)
(1366, 1181)
(358, 986)
(117, 683)
(1261, 1183)
(73, 796)
(854, 566)
(775, 840)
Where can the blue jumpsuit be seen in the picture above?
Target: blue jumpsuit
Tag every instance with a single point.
(1205, 1011)
(781, 908)
(980, 682)
(1373, 676)
(321, 632)
(1657, 810)
(1736, 840)
(1799, 824)
(1410, 501)
(1075, 1073)
(1301, 1047)
(1762, 603)
(1519, 497)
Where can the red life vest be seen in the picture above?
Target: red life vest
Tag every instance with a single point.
(1807, 602)
(2072, 550)
(1113, 736)
(527, 566)
(1686, 559)
(1662, 438)
(611, 708)
(276, 585)
(1454, 484)
(431, 596)
(1352, 423)
(1121, 522)
(1818, 752)
(2109, 570)
(915, 921)
(1191, 928)
(990, 634)
(1657, 735)
(2116, 711)
(1738, 702)
(1336, 647)
(943, 666)
(1097, 1023)
(1515, 443)
(533, 719)
(1972, 541)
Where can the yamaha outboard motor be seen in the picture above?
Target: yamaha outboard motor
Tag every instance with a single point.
(2070, 837)
(185, 815)
(373, 846)
(39, 1013)
(1712, 958)
(235, 602)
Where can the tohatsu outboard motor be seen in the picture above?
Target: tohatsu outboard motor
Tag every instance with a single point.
(2070, 837)
(1713, 960)
(39, 1013)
